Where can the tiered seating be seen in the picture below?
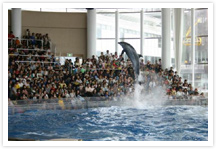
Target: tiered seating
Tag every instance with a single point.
(34, 73)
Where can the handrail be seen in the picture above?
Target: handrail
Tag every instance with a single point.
(30, 55)
(36, 62)
(27, 40)
(21, 49)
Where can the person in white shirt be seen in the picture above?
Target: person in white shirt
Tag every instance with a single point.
(100, 79)
(78, 80)
(72, 94)
(179, 94)
(185, 86)
(107, 53)
(89, 62)
(66, 94)
(88, 88)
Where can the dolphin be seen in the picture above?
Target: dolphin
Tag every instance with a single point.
(133, 56)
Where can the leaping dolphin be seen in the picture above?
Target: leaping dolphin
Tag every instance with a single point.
(133, 56)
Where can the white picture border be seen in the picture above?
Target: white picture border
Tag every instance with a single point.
(108, 5)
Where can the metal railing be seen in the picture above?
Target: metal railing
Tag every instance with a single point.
(37, 62)
(53, 48)
(52, 45)
(87, 102)
(197, 66)
(29, 55)
(27, 41)
(21, 49)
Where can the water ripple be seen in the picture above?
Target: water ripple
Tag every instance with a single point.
(171, 123)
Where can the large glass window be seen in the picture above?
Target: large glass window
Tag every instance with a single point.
(31, 9)
(76, 10)
(186, 49)
(106, 25)
(57, 9)
(152, 35)
(129, 30)
(152, 47)
(54, 9)
(105, 32)
(105, 44)
(201, 48)
(129, 25)
(152, 9)
(201, 18)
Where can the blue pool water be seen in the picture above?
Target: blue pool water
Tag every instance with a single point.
(162, 123)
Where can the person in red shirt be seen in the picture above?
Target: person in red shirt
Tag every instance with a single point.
(10, 37)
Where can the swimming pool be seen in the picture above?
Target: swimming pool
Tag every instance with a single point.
(152, 123)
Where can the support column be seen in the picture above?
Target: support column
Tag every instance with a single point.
(116, 30)
(178, 32)
(16, 22)
(193, 43)
(141, 32)
(166, 38)
(91, 32)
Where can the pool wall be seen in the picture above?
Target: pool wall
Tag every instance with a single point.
(22, 106)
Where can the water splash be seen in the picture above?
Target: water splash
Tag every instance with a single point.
(140, 98)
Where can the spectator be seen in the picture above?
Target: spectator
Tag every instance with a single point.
(179, 94)
(27, 32)
(87, 79)
(18, 45)
(10, 38)
(190, 91)
(33, 42)
(107, 54)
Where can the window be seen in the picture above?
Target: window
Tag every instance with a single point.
(76, 10)
(129, 25)
(105, 44)
(105, 32)
(129, 30)
(105, 25)
(54, 9)
(201, 48)
(152, 35)
(31, 9)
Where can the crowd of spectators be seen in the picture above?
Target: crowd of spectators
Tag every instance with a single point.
(29, 40)
(108, 76)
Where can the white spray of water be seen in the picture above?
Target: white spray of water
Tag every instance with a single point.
(141, 99)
